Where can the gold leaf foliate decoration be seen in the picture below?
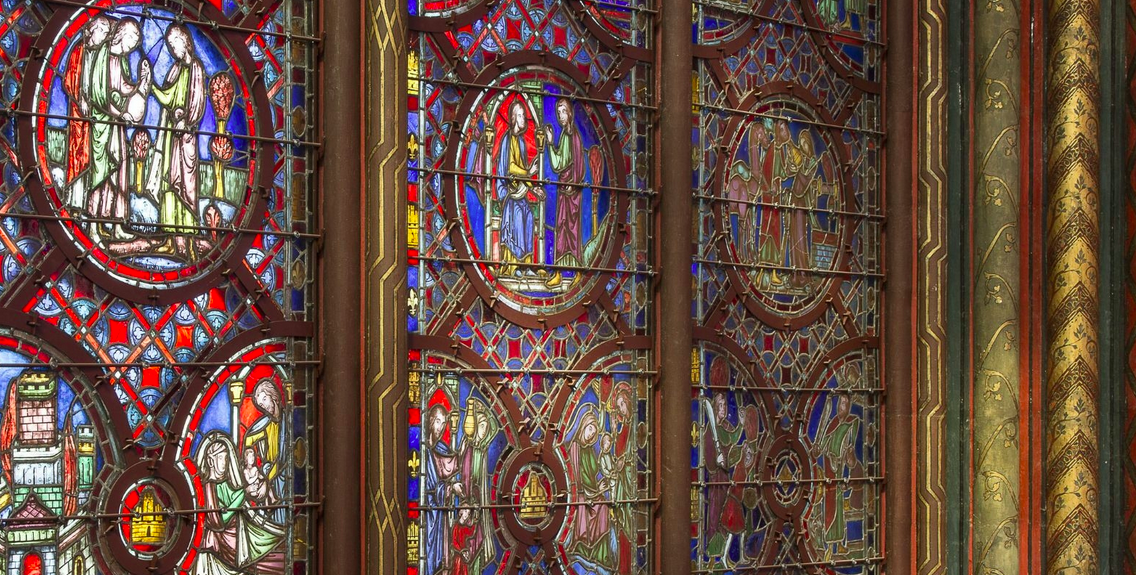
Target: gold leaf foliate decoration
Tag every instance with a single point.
(1073, 239)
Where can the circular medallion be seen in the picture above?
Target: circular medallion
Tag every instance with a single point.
(602, 438)
(150, 536)
(237, 435)
(537, 481)
(731, 436)
(461, 437)
(841, 435)
(782, 199)
(534, 198)
(144, 136)
(786, 474)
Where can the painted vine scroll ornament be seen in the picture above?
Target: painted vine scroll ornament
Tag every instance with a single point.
(146, 150)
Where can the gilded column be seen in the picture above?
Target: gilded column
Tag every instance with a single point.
(1073, 243)
(386, 229)
(996, 286)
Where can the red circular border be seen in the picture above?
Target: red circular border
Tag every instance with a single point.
(263, 156)
(477, 273)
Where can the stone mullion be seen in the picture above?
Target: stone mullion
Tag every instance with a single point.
(1072, 281)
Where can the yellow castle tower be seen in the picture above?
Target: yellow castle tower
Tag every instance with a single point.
(150, 522)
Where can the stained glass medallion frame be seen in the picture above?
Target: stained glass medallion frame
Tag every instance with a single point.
(146, 349)
(811, 357)
(552, 319)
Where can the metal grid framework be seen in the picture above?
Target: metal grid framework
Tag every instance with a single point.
(787, 391)
(531, 281)
(156, 285)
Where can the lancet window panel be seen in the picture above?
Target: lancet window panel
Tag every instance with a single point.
(789, 217)
(156, 285)
(531, 273)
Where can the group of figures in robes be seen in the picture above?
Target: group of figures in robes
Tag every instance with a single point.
(462, 442)
(600, 450)
(456, 470)
(112, 160)
(519, 197)
(731, 448)
(734, 444)
(775, 188)
(244, 480)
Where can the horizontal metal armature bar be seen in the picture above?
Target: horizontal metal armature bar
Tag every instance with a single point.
(641, 9)
(495, 177)
(524, 265)
(68, 117)
(788, 269)
(787, 207)
(167, 364)
(526, 92)
(608, 502)
(182, 20)
(851, 391)
(752, 114)
(185, 227)
(812, 481)
(58, 519)
(734, 9)
(536, 371)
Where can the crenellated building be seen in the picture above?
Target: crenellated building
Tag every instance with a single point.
(47, 490)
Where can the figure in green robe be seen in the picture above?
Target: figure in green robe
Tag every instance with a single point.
(235, 539)
(183, 98)
(96, 85)
(591, 537)
(839, 448)
(829, 12)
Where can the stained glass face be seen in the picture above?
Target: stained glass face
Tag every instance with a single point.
(530, 278)
(155, 353)
(787, 396)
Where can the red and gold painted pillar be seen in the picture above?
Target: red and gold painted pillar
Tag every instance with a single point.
(1072, 256)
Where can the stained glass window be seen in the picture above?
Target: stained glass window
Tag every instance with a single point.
(787, 450)
(530, 286)
(156, 302)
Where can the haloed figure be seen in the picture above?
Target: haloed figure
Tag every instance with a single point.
(183, 99)
(569, 163)
(513, 189)
(112, 97)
